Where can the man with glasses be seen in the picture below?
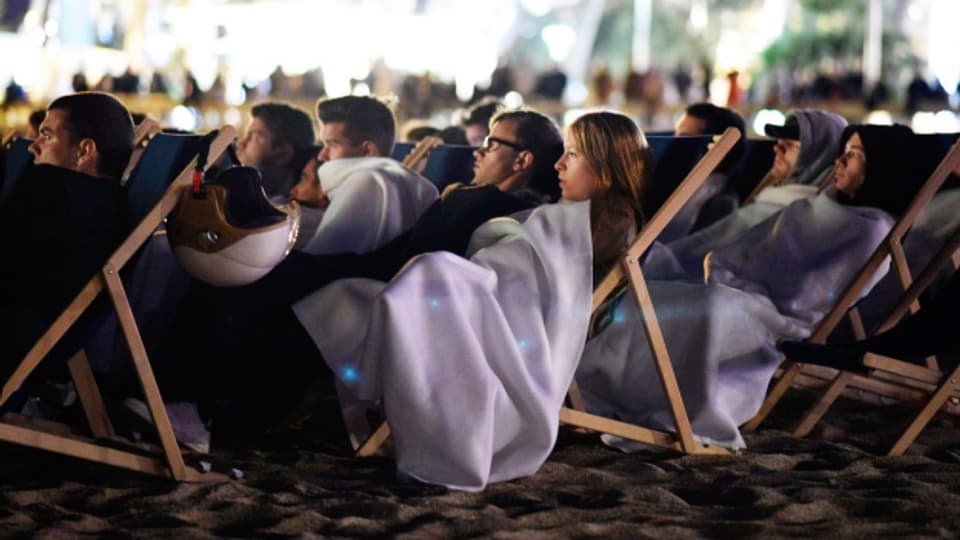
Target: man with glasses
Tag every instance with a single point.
(236, 330)
(64, 216)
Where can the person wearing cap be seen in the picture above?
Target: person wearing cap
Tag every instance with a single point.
(807, 143)
(773, 281)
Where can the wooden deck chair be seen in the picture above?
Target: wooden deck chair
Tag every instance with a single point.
(142, 134)
(416, 158)
(631, 272)
(898, 379)
(166, 184)
(891, 247)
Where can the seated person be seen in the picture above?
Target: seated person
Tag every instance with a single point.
(473, 354)
(707, 119)
(355, 126)
(64, 217)
(513, 172)
(277, 132)
(803, 155)
(774, 281)
(357, 204)
(475, 120)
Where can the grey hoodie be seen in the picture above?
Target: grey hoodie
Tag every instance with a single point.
(820, 133)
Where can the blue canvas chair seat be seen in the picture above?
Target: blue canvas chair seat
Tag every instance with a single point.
(448, 164)
(154, 191)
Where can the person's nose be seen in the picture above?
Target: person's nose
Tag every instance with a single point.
(324, 154)
(34, 148)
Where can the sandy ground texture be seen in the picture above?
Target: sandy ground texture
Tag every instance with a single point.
(828, 485)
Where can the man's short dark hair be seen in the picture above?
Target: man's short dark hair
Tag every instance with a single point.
(36, 118)
(482, 111)
(102, 118)
(717, 120)
(364, 118)
(539, 134)
(288, 125)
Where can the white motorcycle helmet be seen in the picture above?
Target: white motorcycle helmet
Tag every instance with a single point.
(227, 233)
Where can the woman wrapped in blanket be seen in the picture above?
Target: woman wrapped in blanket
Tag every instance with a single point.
(471, 357)
(775, 280)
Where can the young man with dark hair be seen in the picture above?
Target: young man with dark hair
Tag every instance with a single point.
(276, 135)
(713, 200)
(355, 126)
(476, 119)
(64, 216)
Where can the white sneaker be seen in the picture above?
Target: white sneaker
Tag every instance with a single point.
(188, 428)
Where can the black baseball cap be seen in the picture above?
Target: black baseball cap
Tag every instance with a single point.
(789, 130)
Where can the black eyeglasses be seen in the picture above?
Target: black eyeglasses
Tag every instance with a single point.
(490, 144)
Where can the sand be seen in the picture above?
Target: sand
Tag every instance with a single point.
(828, 485)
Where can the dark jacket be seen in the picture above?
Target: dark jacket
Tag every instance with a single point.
(56, 230)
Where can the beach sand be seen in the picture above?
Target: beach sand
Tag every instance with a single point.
(828, 485)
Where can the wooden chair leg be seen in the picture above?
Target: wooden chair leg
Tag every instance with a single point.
(661, 358)
(823, 404)
(949, 385)
(90, 398)
(375, 441)
(776, 393)
(148, 383)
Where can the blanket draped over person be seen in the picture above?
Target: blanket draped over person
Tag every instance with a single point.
(472, 357)
(372, 200)
(777, 280)
(684, 256)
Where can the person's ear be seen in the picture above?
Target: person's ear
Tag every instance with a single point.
(370, 148)
(86, 154)
(524, 161)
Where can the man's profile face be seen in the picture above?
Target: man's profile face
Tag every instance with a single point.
(256, 148)
(495, 164)
(336, 144)
(689, 125)
(785, 154)
(55, 145)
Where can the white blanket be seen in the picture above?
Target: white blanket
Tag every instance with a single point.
(473, 357)
(372, 201)
(774, 282)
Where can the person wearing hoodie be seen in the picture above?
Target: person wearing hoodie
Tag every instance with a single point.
(806, 146)
(775, 281)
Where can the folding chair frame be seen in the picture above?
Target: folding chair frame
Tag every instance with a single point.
(631, 272)
(105, 447)
(416, 160)
(844, 307)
